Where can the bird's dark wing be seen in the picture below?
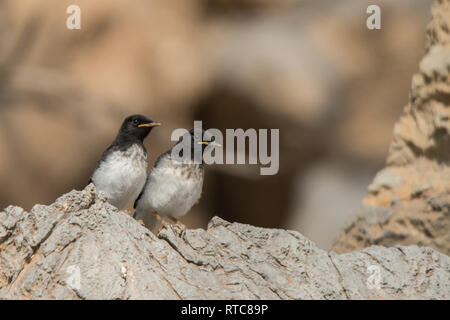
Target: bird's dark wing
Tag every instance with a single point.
(138, 198)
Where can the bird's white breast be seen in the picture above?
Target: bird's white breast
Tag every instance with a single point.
(171, 190)
(122, 175)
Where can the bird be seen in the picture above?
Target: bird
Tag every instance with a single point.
(174, 184)
(121, 172)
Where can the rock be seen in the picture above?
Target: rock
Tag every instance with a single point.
(81, 247)
(384, 179)
(415, 185)
(436, 61)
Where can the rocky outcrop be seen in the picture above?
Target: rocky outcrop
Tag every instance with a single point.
(81, 247)
(409, 200)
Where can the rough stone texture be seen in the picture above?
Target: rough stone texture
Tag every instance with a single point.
(409, 200)
(120, 259)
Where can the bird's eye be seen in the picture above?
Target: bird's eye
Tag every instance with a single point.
(135, 121)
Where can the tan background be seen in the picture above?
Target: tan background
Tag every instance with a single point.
(310, 68)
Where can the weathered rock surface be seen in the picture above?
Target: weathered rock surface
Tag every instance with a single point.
(43, 251)
(409, 200)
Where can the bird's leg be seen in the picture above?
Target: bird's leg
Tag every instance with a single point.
(163, 222)
(158, 216)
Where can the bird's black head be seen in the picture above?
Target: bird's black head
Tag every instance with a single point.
(136, 127)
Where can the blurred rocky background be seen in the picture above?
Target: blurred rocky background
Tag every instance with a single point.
(409, 200)
(308, 67)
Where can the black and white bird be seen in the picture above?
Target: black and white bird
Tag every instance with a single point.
(122, 169)
(174, 184)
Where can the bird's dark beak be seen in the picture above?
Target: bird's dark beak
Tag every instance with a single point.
(152, 124)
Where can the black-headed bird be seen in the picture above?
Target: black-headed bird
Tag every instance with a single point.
(122, 169)
(175, 182)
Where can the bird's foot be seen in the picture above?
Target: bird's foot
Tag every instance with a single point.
(179, 224)
(182, 226)
(163, 222)
(128, 212)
